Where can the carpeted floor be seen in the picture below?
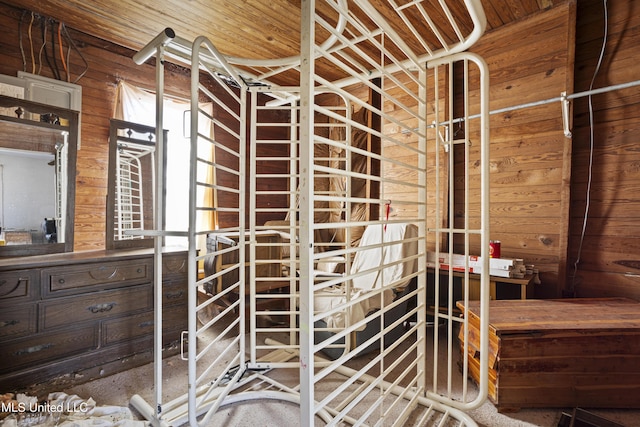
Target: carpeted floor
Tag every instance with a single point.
(118, 390)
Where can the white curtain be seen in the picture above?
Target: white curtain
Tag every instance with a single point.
(137, 105)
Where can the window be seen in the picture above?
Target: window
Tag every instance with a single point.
(138, 106)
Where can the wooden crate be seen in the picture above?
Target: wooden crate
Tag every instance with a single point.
(559, 353)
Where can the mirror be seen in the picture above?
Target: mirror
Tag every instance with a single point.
(131, 194)
(38, 149)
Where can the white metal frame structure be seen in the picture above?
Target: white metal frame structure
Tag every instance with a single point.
(61, 185)
(256, 335)
(129, 203)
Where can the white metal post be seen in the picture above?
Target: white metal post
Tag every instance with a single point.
(421, 300)
(484, 240)
(306, 219)
(483, 229)
(253, 120)
(158, 240)
(242, 225)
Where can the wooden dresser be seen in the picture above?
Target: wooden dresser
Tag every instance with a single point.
(69, 318)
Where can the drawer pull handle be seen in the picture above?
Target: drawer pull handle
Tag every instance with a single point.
(174, 295)
(9, 291)
(139, 270)
(61, 281)
(184, 342)
(101, 308)
(34, 349)
(104, 272)
(146, 324)
(9, 323)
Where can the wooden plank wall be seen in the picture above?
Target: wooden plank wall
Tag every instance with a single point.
(529, 61)
(539, 177)
(107, 64)
(609, 263)
(530, 156)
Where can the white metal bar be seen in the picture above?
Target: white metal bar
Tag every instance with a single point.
(485, 226)
(420, 298)
(484, 229)
(306, 215)
(192, 271)
(452, 238)
(467, 161)
(252, 229)
(61, 186)
(562, 99)
(158, 223)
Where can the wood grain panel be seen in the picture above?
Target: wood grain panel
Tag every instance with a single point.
(540, 352)
(529, 167)
(610, 249)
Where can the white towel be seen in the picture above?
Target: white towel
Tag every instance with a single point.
(389, 278)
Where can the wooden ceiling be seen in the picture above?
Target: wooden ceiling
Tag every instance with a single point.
(259, 29)
(248, 28)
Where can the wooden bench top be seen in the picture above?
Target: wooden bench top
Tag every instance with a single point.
(574, 314)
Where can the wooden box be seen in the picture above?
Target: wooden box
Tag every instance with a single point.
(17, 237)
(559, 353)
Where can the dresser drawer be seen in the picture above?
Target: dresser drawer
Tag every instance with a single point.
(41, 348)
(118, 330)
(174, 320)
(17, 286)
(95, 306)
(173, 265)
(174, 292)
(18, 320)
(104, 275)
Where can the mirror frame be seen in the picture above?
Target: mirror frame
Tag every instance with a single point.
(115, 127)
(30, 107)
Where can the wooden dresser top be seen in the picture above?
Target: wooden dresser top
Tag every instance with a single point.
(77, 258)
